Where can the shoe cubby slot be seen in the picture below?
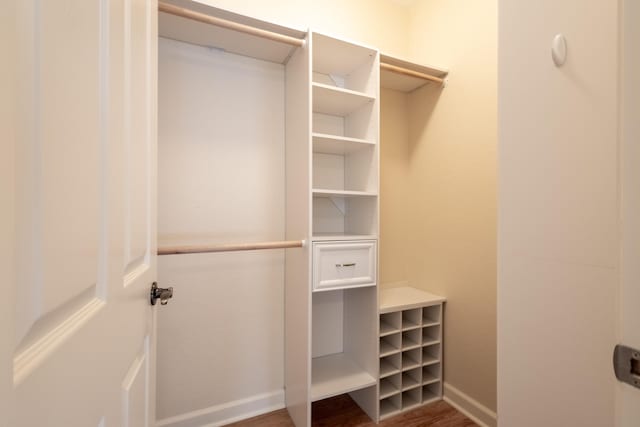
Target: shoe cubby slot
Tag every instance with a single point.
(411, 398)
(390, 365)
(431, 392)
(390, 385)
(411, 379)
(431, 354)
(431, 315)
(411, 359)
(390, 406)
(390, 323)
(411, 339)
(411, 319)
(430, 335)
(431, 373)
(390, 344)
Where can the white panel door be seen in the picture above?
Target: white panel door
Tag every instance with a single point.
(82, 327)
(628, 397)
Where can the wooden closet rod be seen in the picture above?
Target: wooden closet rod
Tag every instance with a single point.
(201, 249)
(207, 19)
(411, 73)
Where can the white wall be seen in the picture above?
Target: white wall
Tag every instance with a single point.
(221, 179)
(558, 213)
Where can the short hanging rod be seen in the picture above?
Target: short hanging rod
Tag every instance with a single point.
(212, 20)
(201, 249)
(407, 72)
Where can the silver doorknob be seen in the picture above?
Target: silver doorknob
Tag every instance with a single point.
(162, 294)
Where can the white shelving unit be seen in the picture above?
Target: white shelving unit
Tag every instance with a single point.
(344, 205)
(410, 349)
(345, 132)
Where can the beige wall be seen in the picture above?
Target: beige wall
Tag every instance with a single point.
(394, 187)
(7, 202)
(559, 213)
(379, 23)
(453, 172)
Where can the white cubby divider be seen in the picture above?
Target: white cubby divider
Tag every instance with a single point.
(410, 350)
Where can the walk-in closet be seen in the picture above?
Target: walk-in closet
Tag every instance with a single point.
(285, 221)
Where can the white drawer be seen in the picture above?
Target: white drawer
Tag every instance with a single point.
(339, 265)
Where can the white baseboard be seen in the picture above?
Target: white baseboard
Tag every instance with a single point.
(227, 413)
(473, 409)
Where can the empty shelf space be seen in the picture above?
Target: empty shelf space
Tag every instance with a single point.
(411, 398)
(431, 393)
(334, 56)
(390, 344)
(390, 406)
(333, 144)
(389, 386)
(431, 374)
(390, 365)
(430, 354)
(387, 329)
(411, 339)
(389, 323)
(411, 359)
(411, 379)
(431, 315)
(337, 374)
(430, 335)
(411, 319)
(337, 101)
(322, 192)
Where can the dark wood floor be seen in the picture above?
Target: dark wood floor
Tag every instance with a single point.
(342, 411)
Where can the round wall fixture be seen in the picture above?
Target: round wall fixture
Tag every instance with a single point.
(559, 50)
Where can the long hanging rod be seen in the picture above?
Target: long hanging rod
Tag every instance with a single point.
(201, 249)
(407, 72)
(207, 19)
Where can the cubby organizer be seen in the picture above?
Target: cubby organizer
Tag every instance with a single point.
(410, 350)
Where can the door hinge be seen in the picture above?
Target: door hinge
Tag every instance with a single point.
(626, 364)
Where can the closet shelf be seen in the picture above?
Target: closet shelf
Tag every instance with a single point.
(341, 145)
(405, 82)
(337, 374)
(337, 101)
(387, 368)
(317, 237)
(406, 297)
(317, 192)
(388, 408)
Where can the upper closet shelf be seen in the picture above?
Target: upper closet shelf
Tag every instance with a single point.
(333, 144)
(333, 56)
(337, 101)
(403, 81)
(199, 31)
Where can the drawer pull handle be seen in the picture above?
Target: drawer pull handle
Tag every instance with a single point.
(351, 264)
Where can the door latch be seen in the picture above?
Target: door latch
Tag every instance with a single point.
(626, 364)
(162, 294)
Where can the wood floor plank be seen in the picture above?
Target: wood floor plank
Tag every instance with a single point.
(344, 412)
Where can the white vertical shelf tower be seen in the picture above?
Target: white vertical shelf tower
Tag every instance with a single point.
(332, 201)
